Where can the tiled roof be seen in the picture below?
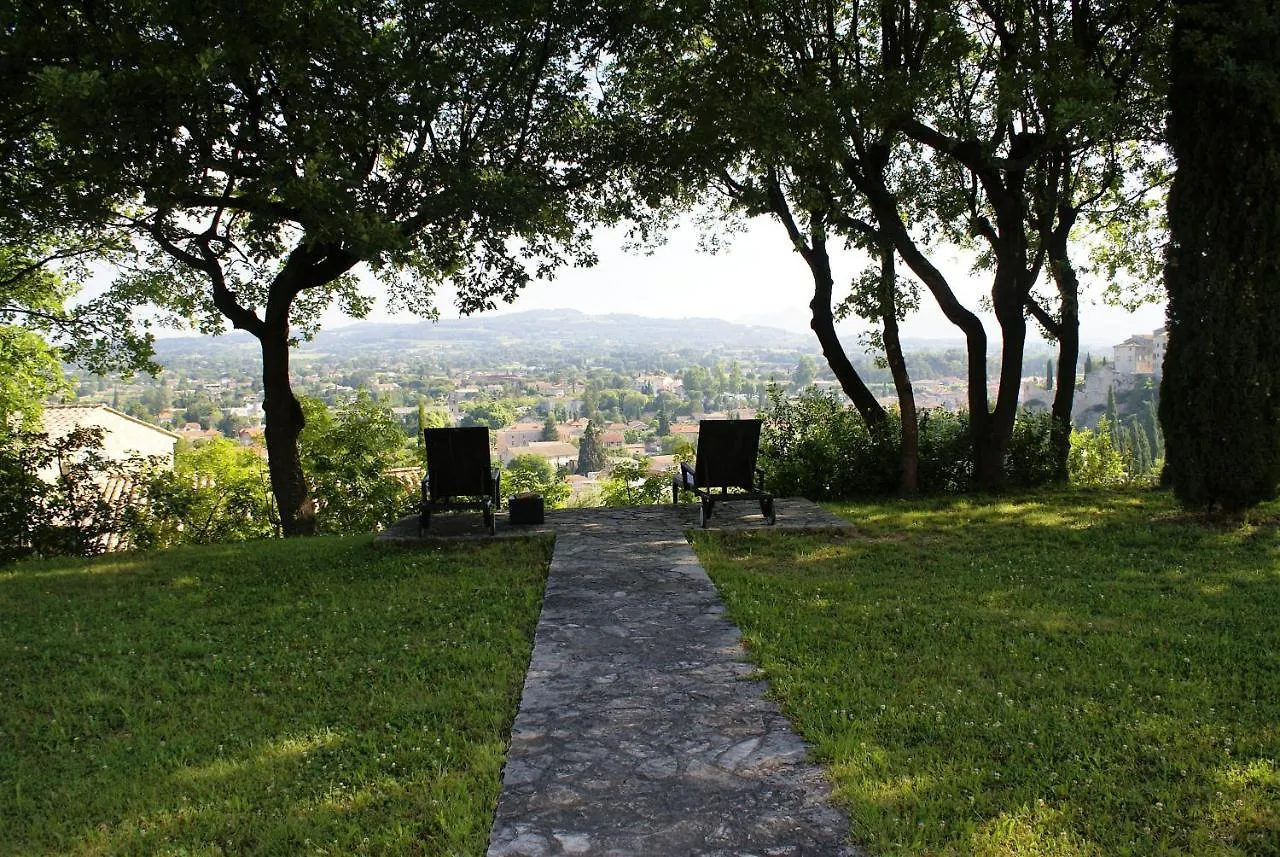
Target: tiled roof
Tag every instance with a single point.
(60, 420)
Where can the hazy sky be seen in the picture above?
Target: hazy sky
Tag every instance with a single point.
(758, 279)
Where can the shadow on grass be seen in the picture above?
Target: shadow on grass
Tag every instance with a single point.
(1058, 675)
(273, 698)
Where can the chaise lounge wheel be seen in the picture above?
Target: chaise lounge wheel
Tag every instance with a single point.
(766, 509)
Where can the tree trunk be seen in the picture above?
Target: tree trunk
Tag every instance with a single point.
(1067, 332)
(284, 422)
(1220, 391)
(885, 208)
(823, 325)
(910, 429)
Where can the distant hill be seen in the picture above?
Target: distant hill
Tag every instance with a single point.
(560, 329)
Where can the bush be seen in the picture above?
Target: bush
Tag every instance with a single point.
(218, 492)
(814, 446)
(94, 503)
(1029, 462)
(346, 458)
(530, 473)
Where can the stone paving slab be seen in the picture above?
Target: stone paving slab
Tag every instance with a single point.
(793, 513)
(639, 731)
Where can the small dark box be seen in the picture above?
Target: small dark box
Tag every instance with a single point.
(525, 508)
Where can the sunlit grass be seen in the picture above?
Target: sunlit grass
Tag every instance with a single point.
(302, 697)
(1063, 674)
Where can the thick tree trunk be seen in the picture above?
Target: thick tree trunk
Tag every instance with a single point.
(1220, 391)
(910, 429)
(284, 422)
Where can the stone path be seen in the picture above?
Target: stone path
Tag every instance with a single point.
(639, 732)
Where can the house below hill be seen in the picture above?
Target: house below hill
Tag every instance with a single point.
(123, 436)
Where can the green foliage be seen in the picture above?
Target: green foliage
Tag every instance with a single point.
(30, 372)
(532, 473)
(1220, 395)
(218, 491)
(1057, 675)
(1029, 461)
(346, 457)
(592, 457)
(494, 414)
(813, 446)
(281, 698)
(631, 483)
(1094, 462)
(71, 514)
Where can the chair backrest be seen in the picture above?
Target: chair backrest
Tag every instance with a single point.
(458, 461)
(727, 451)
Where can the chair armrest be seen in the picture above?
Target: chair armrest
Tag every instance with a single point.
(687, 475)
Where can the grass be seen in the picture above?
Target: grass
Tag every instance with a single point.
(1058, 675)
(299, 697)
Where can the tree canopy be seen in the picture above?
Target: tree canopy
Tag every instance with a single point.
(256, 155)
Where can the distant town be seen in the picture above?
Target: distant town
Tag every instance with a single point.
(537, 399)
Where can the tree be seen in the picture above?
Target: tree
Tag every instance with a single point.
(531, 473)
(630, 483)
(550, 429)
(994, 127)
(805, 372)
(31, 373)
(1048, 374)
(494, 414)
(346, 457)
(1220, 393)
(260, 154)
(591, 453)
(664, 421)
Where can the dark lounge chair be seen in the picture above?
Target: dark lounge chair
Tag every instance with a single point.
(727, 451)
(460, 475)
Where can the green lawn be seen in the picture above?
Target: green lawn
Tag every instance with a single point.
(1063, 675)
(291, 697)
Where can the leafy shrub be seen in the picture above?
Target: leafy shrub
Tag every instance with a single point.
(631, 484)
(531, 473)
(1029, 461)
(946, 452)
(816, 447)
(92, 505)
(345, 457)
(1094, 462)
(217, 492)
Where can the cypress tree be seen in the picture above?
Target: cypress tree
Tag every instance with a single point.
(1048, 375)
(1088, 364)
(550, 431)
(1113, 415)
(664, 421)
(591, 454)
(1220, 393)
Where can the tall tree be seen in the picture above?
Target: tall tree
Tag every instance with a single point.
(261, 153)
(1220, 393)
(591, 454)
(992, 127)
